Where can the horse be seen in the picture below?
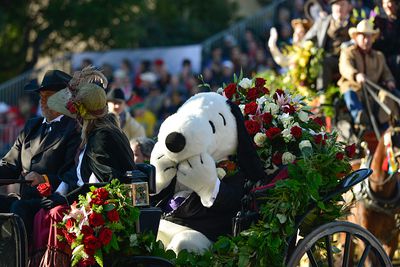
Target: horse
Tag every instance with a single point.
(378, 198)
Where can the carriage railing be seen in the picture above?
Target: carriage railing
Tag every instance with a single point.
(368, 92)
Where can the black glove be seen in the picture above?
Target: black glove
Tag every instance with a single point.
(52, 201)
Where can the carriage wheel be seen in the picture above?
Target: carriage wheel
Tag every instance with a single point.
(319, 247)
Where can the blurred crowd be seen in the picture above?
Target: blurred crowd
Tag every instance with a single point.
(150, 93)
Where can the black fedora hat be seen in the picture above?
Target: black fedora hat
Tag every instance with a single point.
(53, 80)
(116, 95)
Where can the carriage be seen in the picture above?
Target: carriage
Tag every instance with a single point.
(320, 247)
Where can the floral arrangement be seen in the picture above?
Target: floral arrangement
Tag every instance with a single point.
(305, 65)
(287, 137)
(100, 224)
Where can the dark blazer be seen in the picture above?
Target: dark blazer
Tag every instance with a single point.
(108, 155)
(214, 221)
(55, 152)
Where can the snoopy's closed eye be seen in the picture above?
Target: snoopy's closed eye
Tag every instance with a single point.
(212, 126)
(223, 118)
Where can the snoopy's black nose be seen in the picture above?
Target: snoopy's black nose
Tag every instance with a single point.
(175, 142)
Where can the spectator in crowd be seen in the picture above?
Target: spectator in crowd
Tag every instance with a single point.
(107, 70)
(117, 105)
(105, 154)
(358, 63)
(142, 148)
(43, 148)
(186, 72)
(163, 76)
(227, 71)
(329, 33)
(300, 27)
(389, 41)
(145, 117)
(121, 80)
(86, 62)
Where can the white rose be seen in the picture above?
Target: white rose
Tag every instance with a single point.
(303, 116)
(241, 106)
(221, 173)
(287, 158)
(271, 108)
(245, 83)
(286, 120)
(259, 139)
(287, 135)
(220, 90)
(261, 100)
(305, 144)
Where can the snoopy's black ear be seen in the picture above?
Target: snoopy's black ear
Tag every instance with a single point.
(248, 159)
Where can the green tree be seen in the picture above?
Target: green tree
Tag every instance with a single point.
(34, 28)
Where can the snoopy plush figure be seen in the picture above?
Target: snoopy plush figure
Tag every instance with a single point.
(198, 205)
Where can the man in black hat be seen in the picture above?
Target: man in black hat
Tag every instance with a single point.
(330, 33)
(45, 145)
(117, 105)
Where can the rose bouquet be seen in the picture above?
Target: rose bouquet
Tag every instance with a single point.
(100, 224)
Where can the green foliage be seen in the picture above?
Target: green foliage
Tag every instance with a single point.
(31, 29)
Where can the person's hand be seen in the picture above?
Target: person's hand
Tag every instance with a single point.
(391, 85)
(273, 37)
(360, 78)
(35, 177)
(52, 201)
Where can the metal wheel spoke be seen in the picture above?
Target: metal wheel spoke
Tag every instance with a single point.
(311, 257)
(346, 254)
(364, 255)
(329, 250)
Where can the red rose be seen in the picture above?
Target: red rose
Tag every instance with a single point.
(296, 131)
(87, 230)
(289, 109)
(70, 237)
(252, 126)
(319, 139)
(70, 223)
(91, 242)
(318, 121)
(105, 236)
(230, 90)
(273, 132)
(71, 107)
(96, 219)
(101, 192)
(252, 94)
(264, 90)
(250, 108)
(96, 200)
(90, 251)
(44, 189)
(87, 262)
(339, 155)
(267, 118)
(259, 82)
(113, 215)
(350, 150)
(277, 158)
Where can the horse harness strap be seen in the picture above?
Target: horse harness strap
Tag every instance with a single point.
(389, 207)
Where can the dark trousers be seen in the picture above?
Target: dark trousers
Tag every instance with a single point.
(26, 209)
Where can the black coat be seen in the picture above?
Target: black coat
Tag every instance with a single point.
(214, 221)
(108, 155)
(54, 153)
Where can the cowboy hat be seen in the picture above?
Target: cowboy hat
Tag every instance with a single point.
(53, 80)
(364, 27)
(86, 101)
(304, 22)
(116, 95)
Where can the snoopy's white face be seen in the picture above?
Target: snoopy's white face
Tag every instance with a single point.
(204, 124)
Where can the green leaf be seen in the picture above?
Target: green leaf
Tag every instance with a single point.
(282, 218)
(98, 256)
